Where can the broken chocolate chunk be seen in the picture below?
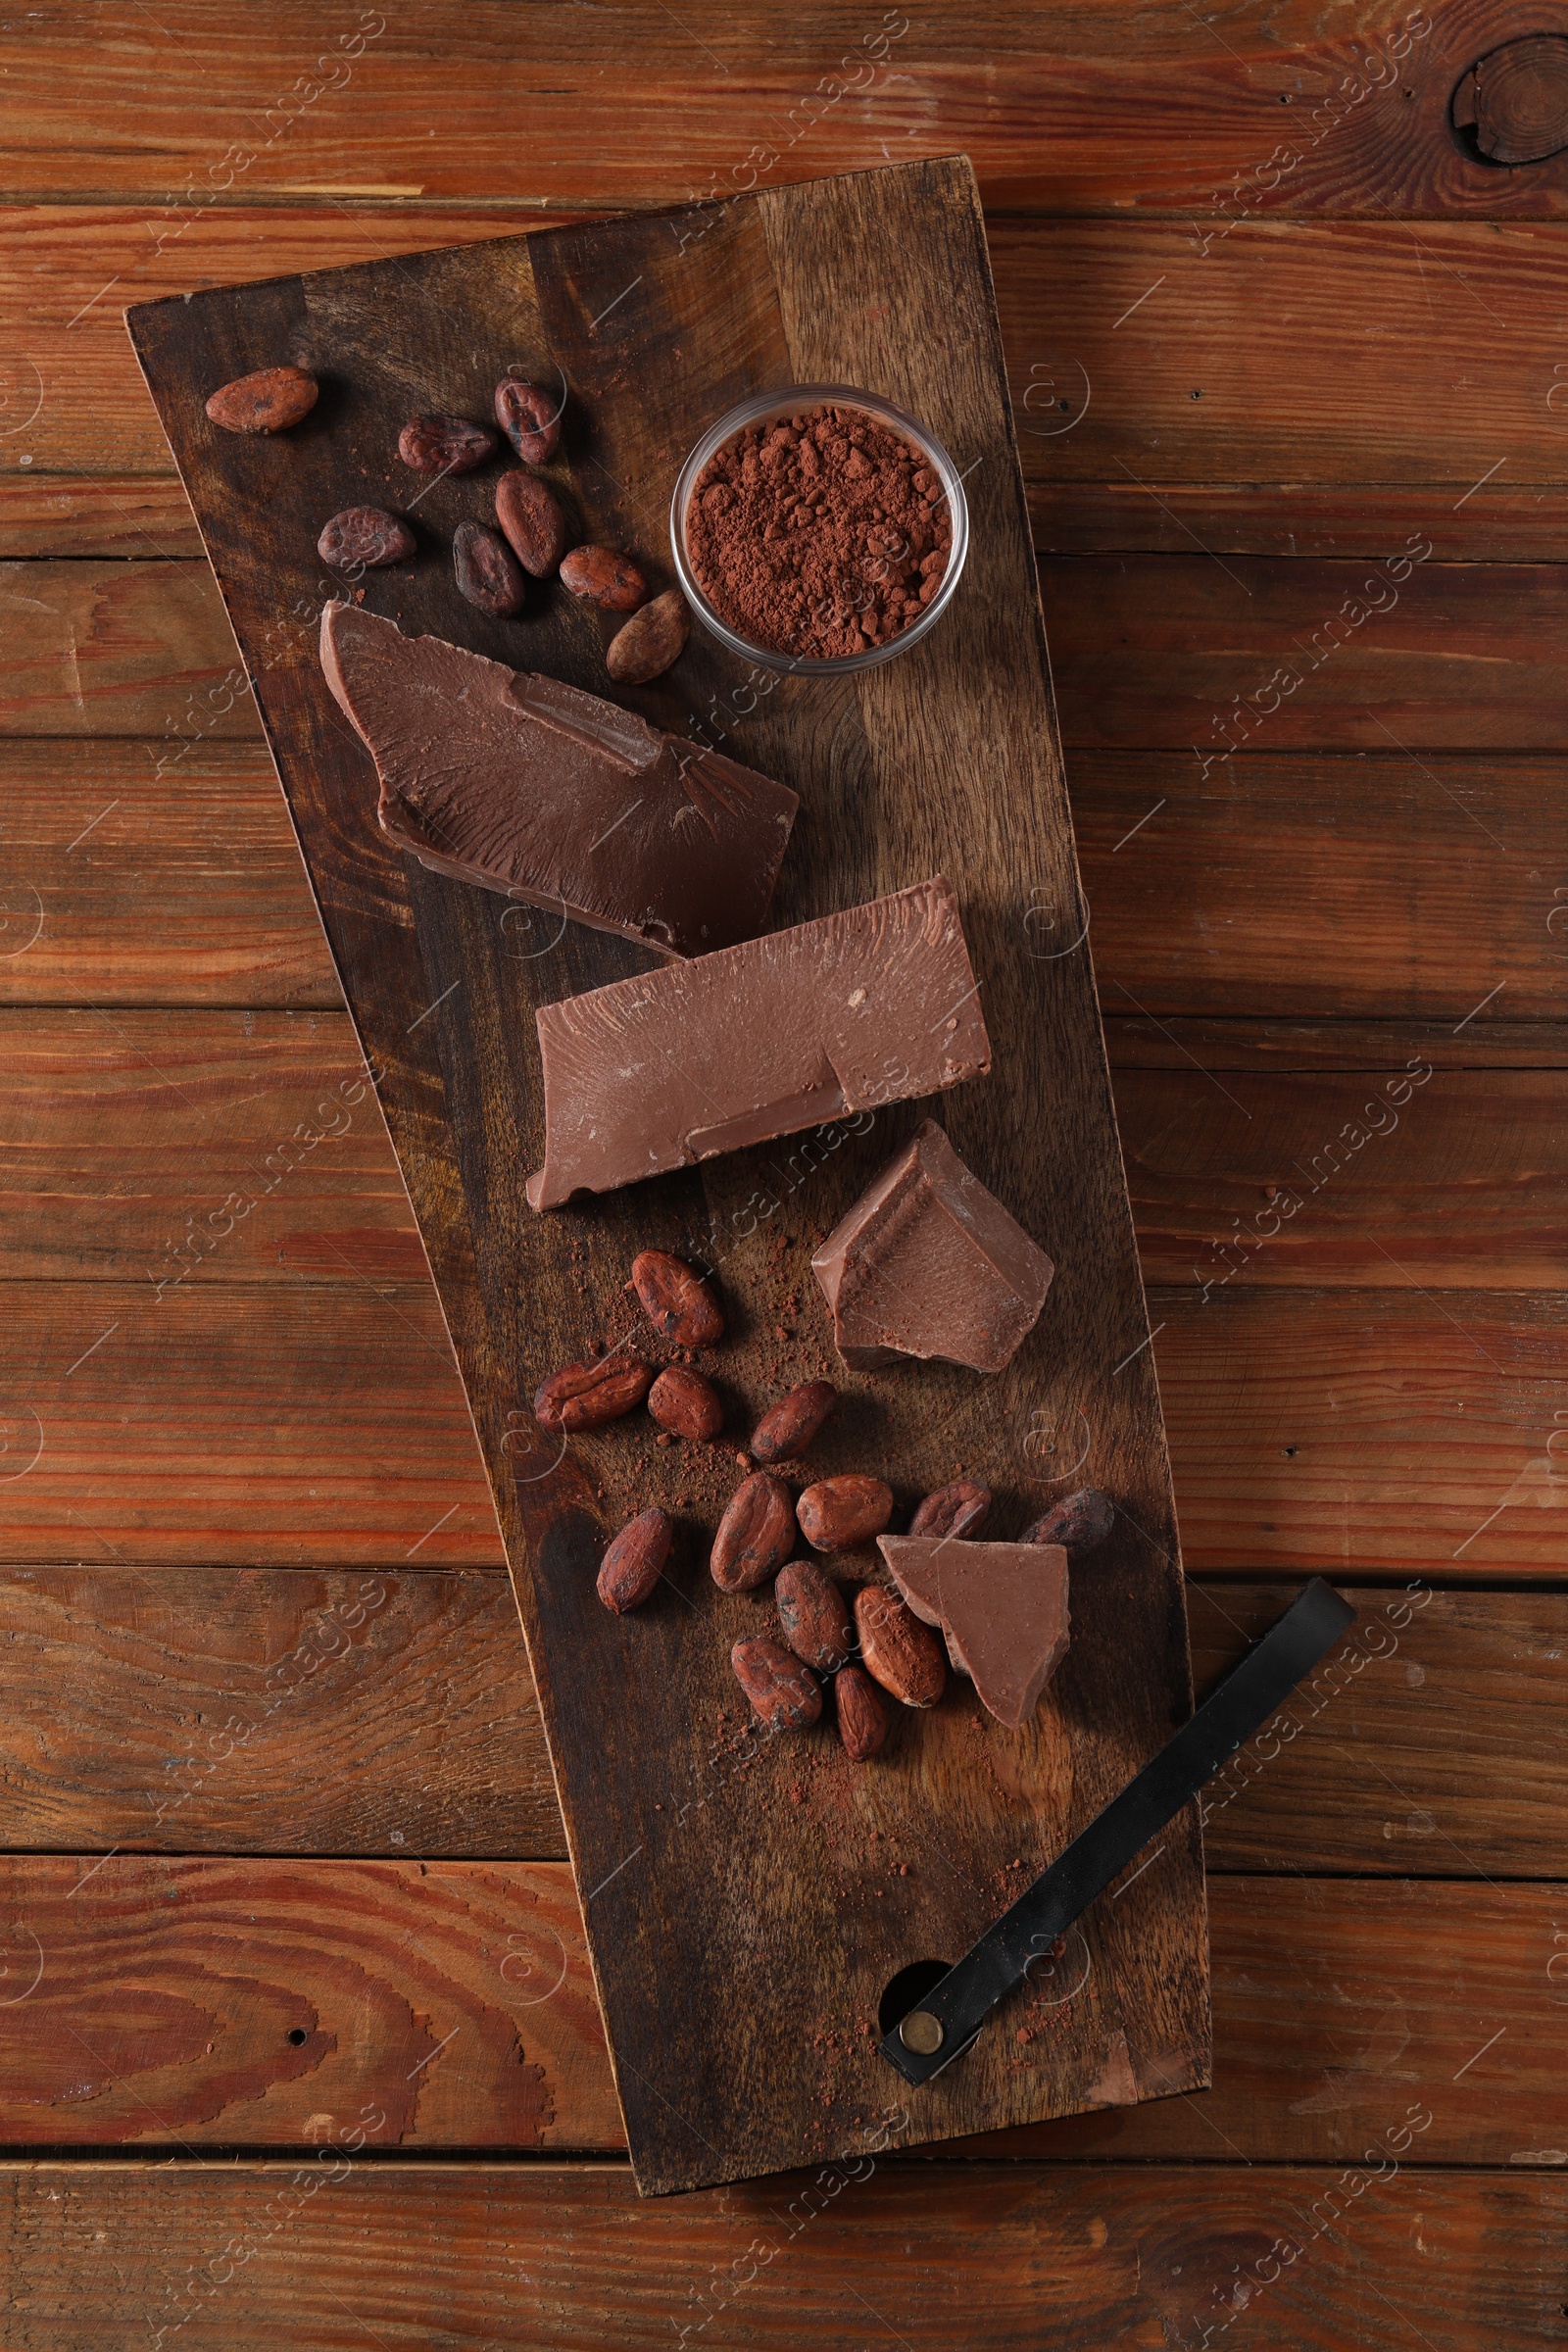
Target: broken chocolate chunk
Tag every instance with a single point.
(1002, 1607)
(521, 784)
(793, 1030)
(928, 1262)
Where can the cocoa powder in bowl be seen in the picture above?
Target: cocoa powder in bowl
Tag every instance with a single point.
(818, 534)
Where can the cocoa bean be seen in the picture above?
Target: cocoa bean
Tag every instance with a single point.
(862, 1717)
(898, 1651)
(683, 1401)
(1078, 1523)
(838, 1513)
(604, 578)
(585, 1396)
(445, 444)
(363, 537)
(534, 525)
(811, 1611)
(956, 1511)
(487, 571)
(650, 641)
(785, 1694)
(635, 1561)
(268, 402)
(788, 1427)
(530, 419)
(676, 1300)
(756, 1534)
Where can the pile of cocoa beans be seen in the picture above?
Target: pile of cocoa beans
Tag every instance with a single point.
(867, 1655)
(490, 567)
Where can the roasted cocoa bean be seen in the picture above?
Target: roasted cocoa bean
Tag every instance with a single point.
(530, 419)
(1079, 1523)
(363, 537)
(816, 1623)
(650, 641)
(756, 1534)
(604, 577)
(445, 444)
(788, 1427)
(676, 1300)
(635, 1561)
(488, 574)
(900, 1652)
(268, 402)
(956, 1511)
(534, 525)
(785, 1694)
(683, 1401)
(862, 1716)
(585, 1396)
(838, 1513)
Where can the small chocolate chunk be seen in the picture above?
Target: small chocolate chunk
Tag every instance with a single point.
(1002, 1607)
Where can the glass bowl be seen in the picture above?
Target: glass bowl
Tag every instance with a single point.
(787, 401)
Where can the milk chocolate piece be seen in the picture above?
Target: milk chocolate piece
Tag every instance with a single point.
(928, 1262)
(795, 1030)
(524, 785)
(1002, 1607)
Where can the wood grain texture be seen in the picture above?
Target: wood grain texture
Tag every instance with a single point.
(995, 2257)
(1283, 359)
(1360, 521)
(1380, 884)
(1151, 652)
(186, 2001)
(1283, 885)
(1101, 108)
(178, 1146)
(161, 1147)
(123, 885)
(456, 2001)
(1429, 1745)
(327, 1430)
(64, 516)
(740, 301)
(269, 1711)
(1239, 1043)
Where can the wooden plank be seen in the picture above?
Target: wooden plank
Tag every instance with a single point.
(1312, 887)
(742, 307)
(177, 1144)
(163, 1146)
(328, 1429)
(416, 1723)
(92, 834)
(1194, 654)
(1457, 658)
(1103, 108)
(1427, 1743)
(1366, 1432)
(457, 2000)
(213, 1710)
(1219, 1044)
(1359, 521)
(995, 2257)
(64, 515)
(1283, 886)
(181, 2002)
(1299, 1180)
(1374, 353)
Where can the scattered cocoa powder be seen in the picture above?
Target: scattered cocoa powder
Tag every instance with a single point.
(818, 534)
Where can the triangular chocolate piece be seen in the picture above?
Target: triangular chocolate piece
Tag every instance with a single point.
(521, 783)
(928, 1263)
(1002, 1607)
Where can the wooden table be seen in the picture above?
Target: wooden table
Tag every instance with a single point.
(1296, 454)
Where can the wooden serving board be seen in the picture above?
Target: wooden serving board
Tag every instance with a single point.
(746, 1901)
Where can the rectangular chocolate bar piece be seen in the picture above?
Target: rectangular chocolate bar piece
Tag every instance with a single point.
(836, 1016)
(519, 783)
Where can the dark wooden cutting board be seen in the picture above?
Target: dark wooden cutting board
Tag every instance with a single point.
(746, 1903)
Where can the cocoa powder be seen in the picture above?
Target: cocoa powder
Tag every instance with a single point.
(818, 534)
